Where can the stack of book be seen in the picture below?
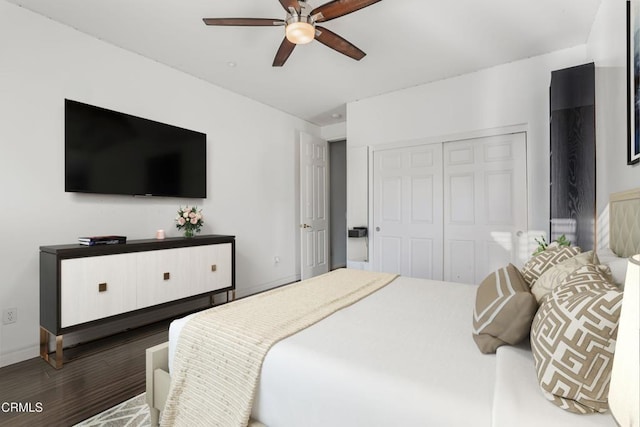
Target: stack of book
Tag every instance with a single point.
(102, 240)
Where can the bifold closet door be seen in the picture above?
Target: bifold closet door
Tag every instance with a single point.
(407, 226)
(485, 205)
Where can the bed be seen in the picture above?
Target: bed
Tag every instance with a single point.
(399, 355)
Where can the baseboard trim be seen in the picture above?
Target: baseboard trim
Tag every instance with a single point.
(266, 286)
(19, 356)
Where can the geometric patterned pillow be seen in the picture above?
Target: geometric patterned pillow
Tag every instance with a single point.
(503, 311)
(587, 277)
(540, 263)
(573, 338)
(555, 275)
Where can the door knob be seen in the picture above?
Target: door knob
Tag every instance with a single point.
(377, 228)
(305, 226)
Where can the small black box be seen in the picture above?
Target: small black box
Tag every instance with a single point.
(358, 232)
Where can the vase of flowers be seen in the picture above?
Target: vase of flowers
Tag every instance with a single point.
(190, 220)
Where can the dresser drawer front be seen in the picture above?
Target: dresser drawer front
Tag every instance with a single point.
(173, 274)
(96, 287)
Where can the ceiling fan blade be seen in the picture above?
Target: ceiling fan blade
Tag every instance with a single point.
(244, 22)
(290, 3)
(338, 43)
(285, 49)
(337, 8)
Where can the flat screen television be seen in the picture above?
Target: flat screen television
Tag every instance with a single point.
(108, 152)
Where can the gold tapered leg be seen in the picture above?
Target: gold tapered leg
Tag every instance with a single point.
(56, 361)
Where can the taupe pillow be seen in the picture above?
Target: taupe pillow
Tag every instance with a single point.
(540, 263)
(556, 274)
(503, 311)
(587, 277)
(573, 339)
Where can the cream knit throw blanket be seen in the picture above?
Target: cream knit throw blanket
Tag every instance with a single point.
(219, 356)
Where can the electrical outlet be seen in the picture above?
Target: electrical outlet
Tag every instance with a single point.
(9, 315)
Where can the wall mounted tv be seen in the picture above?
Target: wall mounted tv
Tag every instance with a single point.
(108, 152)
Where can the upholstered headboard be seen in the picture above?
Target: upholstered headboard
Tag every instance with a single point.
(624, 223)
(624, 240)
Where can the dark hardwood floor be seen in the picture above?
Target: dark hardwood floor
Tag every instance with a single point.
(102, 374)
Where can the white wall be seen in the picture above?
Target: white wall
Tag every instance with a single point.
(607, 47)
(334, 132)
(505, 96)
(502, 96)
(252, 190)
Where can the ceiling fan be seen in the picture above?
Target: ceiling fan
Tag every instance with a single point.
(300, 26)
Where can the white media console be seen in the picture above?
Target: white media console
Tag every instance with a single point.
(83, 286)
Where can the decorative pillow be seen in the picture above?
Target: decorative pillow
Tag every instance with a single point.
(573, 338)
(543, 261)
(557, 273)
(617, 265)
(504, 310)
(587, 277)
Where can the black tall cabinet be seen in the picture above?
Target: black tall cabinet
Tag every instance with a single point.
(573, 155)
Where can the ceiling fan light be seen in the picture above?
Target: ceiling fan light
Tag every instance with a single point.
(300, 32)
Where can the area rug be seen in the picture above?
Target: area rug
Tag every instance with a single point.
(132, 413)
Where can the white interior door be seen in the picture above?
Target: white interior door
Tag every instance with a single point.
(408, 211)
(485, 210)
(314, 210)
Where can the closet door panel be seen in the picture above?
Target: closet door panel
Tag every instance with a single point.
(462, 203)
(407, 199)
(485, 205)
(454, 211)
(422, 256)
(461, 256)
(390, 249)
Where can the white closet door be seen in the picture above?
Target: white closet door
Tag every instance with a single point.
(407, 226)
(485, 209)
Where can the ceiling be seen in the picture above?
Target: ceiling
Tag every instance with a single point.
(408, 42)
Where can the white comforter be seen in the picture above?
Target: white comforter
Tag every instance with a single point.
(402, 356)
(518, 399)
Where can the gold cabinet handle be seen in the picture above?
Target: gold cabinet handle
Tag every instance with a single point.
(214, 267)
(102, 287)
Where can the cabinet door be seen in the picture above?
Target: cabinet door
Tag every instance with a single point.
(212, 267)
(163, 276)
(96, 287)
(171, 274)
